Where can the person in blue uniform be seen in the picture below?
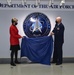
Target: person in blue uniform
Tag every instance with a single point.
(58, 33)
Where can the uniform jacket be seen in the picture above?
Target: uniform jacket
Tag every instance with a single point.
(59, 33)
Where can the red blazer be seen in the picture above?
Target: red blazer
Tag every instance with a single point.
(14, 36)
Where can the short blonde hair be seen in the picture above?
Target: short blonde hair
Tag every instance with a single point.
(14, 20)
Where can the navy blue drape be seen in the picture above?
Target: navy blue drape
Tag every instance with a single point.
(37, 49)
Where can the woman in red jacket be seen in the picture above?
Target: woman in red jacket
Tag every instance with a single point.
(14, 41)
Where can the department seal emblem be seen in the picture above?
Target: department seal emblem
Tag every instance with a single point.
(36, 25)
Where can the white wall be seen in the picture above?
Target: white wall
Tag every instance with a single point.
(5, 21)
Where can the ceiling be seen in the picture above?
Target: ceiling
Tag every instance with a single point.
(41, 0)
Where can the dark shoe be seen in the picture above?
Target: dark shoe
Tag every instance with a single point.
(53, 62)
(58, 63)
(12, 64)
(17, 62)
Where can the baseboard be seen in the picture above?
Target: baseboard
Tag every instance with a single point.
(68, 60)
(7, 60)
(25, 60)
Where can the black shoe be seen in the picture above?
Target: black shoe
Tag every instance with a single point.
(53, 62)
(17, 62)
(12, 64)
(58, 63)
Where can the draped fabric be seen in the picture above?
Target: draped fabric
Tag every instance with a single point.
(37, 49)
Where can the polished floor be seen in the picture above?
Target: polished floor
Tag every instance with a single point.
(37, 69)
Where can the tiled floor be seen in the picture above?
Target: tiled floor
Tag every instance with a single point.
(37, 69)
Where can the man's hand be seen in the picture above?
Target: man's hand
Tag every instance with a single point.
(51, 33)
